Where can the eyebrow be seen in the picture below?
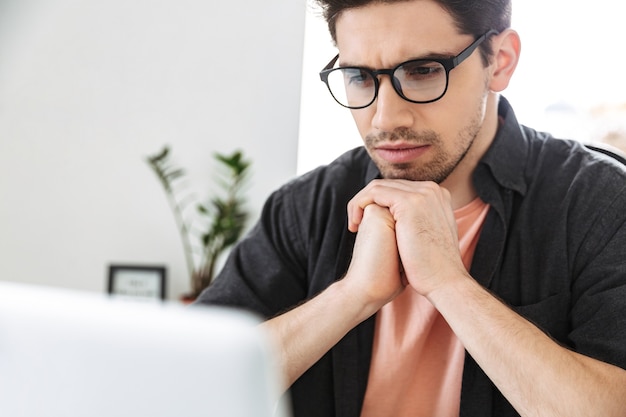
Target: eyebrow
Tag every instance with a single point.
(424, 57)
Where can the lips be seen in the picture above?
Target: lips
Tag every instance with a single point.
(400, 154)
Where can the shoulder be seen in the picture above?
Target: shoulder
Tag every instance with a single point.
(568, 179)
(572, 163)
(346, 175)
(554, 178)
(318, 195)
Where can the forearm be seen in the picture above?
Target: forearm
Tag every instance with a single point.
(304, 334)
(538, 376)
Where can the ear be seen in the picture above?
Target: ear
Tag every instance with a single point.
(506, 48)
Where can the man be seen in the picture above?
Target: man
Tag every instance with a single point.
(487, 276)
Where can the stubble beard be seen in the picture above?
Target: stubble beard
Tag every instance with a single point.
(440, 164)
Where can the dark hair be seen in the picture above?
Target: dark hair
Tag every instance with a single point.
(472, 17)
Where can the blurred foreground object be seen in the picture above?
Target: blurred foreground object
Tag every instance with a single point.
(72, 354)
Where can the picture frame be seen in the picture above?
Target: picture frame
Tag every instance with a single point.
(145, 282)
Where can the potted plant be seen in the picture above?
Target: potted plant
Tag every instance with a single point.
(212, 227)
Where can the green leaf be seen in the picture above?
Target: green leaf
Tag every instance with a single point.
(160, 156)
(174, 174)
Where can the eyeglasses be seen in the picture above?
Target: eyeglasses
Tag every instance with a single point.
(417, 80)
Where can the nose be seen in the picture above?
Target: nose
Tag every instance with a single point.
(391, 110)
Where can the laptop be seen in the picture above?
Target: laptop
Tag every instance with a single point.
(76, 354)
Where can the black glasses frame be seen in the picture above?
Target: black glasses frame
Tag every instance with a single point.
(448, 64)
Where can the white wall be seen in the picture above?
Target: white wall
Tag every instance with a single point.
(326, 129)
(88, 88)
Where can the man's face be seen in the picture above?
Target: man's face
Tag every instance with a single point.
(426, 142)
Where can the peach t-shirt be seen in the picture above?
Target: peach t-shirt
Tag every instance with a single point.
(417, 361)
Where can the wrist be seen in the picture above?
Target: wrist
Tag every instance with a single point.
(452, 290)
(355, 302)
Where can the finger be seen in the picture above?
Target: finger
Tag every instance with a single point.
(376, 192)
(355, 216)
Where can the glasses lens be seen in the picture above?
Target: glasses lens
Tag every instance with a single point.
(352, 87)
(421, 81)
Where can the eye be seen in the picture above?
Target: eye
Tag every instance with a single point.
(421, 70)
(356, 77)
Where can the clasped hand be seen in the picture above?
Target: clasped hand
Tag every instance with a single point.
(407, 235)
